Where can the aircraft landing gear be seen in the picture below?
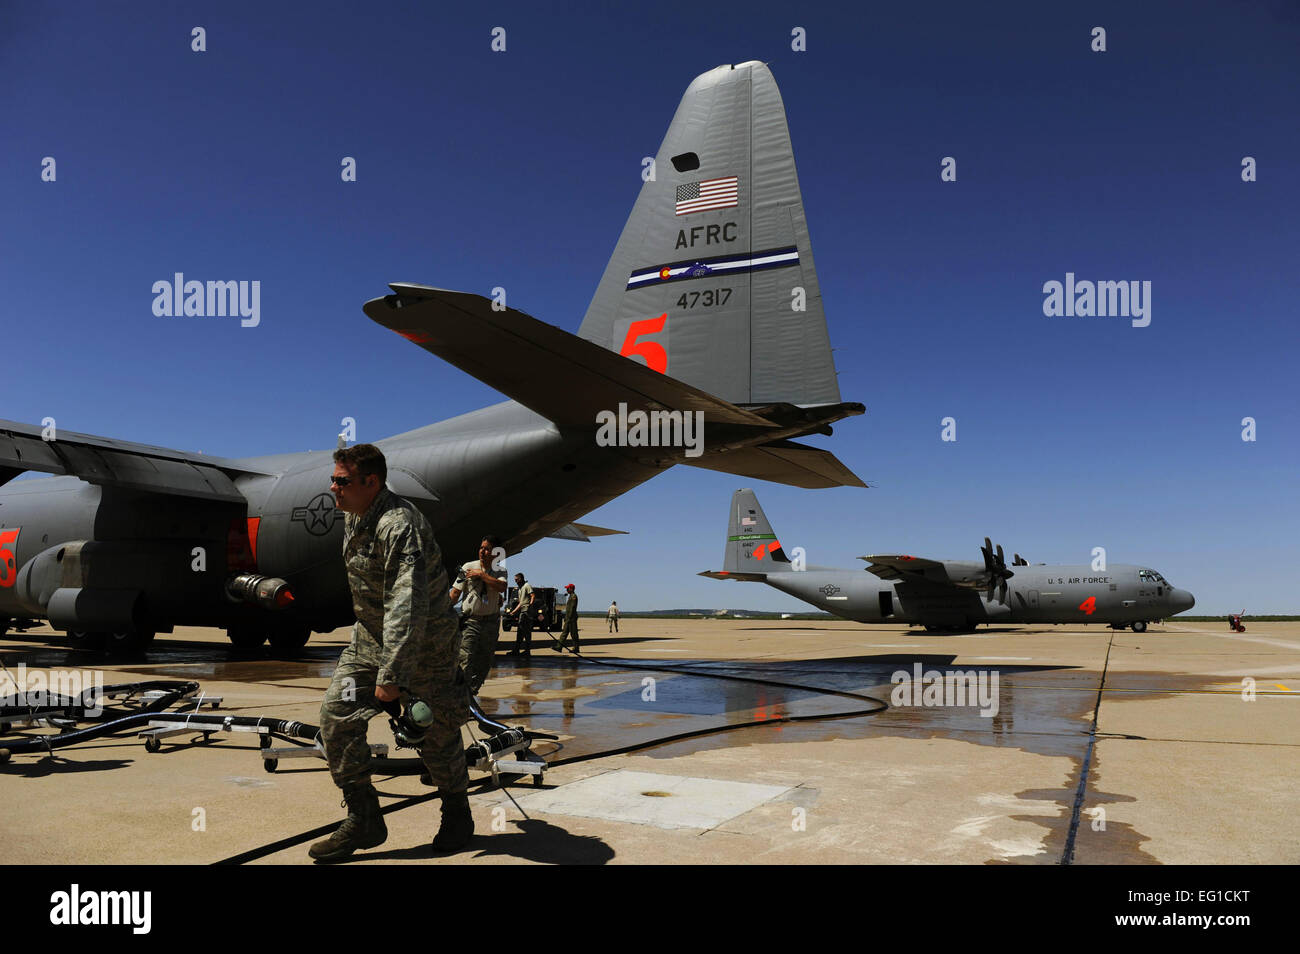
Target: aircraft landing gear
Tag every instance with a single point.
(246, 637)
(1140, 626)
(115, 641)
(290, 639)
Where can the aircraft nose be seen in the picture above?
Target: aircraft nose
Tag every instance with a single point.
(1182, 600)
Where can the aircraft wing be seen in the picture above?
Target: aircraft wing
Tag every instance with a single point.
(104, 461)
(962, 574)
(901, 567)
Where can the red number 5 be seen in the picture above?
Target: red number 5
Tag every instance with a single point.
(656, 357)
(6, 555)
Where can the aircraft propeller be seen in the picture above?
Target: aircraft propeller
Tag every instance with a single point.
(996, 569)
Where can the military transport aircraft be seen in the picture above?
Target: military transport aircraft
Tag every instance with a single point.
(948, 594)
(692, 322)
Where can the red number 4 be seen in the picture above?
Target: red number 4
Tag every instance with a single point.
(1088, 605)
(6, 556)
(656, 357)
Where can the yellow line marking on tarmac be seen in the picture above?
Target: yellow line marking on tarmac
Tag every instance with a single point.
(1282, 687)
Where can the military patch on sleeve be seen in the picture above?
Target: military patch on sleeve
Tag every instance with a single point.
(408, 559)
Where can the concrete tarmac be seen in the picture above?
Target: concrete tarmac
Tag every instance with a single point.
(1177, 745)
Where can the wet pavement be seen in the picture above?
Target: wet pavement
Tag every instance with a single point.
(993, 779)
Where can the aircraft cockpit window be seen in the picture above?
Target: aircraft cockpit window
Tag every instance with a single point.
(1143, 575)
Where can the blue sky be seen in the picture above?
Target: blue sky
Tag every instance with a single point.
(478, 169)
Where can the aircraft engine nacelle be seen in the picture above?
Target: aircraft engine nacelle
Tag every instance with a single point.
(126, 584)
(80, 608)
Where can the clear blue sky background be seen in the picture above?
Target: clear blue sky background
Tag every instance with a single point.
(518, 169)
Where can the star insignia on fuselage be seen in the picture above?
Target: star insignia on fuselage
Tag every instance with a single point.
(319, 514)
(830, 589)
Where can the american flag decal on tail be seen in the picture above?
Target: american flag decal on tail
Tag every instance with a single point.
(708, 194)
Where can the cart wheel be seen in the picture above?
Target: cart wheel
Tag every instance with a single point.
(263, 741)
(537, 779)
(271, 764)
(152, 744)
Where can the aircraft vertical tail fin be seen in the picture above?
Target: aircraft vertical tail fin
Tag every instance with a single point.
(752, 544)
(712, 281)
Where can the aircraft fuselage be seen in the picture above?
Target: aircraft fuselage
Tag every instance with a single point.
(1120, 595)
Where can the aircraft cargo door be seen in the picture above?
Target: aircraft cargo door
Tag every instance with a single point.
(886, 605)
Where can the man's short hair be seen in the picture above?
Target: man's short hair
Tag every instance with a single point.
(520, 576)
(367, 459)
(492, 540)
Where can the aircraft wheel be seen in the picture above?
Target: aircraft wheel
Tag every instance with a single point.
(127, 640)
(290, 639)
(1140, 627)
(84, 639)
(246, 637)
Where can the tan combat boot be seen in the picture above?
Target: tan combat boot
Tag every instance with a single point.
(363, 828)
(457, 824)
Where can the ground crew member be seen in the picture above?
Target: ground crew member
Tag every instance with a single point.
(523, 611)
(613, 617)
(570, 619)
(481, 587)
(403, 643)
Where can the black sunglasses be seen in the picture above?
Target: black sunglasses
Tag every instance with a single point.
(341, 481)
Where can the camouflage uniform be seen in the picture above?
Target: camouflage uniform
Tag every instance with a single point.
(570, 621)
(405, 634)
(481, 628)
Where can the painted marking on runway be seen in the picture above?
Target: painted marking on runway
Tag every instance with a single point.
(1237, 636)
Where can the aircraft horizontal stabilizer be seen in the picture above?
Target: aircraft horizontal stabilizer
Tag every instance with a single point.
(740, 577)
(582, 532)
(784, 462)
(101, 460)
(558, 375)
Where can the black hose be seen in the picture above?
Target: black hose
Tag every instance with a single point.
(45, 743)
(97, 694)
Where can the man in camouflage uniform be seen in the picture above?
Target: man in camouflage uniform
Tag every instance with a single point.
(479, 587)
(570, 620)
(404, 641)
